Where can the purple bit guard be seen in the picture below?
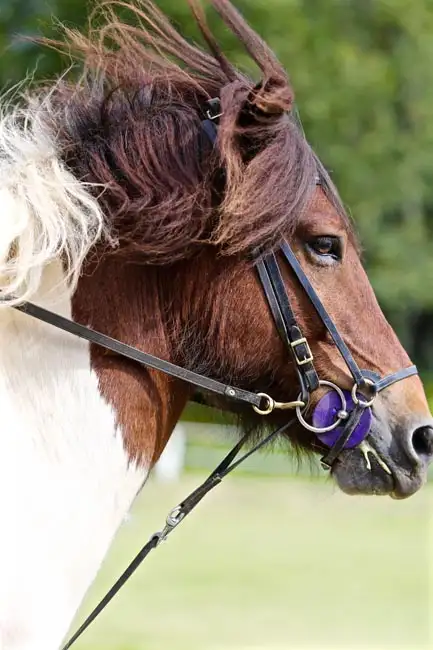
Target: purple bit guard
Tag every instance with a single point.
(325, 413)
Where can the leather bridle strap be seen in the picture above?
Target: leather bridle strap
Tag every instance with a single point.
(287, 325)
(359, 376)
(176, 515)
(144, 358)
(352, 422)
(290, 332)
(381, 384)
(323, 314)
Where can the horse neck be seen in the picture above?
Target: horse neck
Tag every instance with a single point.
(70, 466)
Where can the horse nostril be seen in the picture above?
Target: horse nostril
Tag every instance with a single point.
(422, 443)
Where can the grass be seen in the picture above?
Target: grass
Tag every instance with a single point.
(269, 564)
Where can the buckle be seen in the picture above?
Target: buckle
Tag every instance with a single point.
(308, 355)
(213, 110)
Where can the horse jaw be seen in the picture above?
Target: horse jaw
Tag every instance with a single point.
(66, 482)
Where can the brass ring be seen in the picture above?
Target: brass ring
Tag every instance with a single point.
(270, 407)
(362, 402)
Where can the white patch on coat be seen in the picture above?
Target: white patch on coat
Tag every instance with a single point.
(66, 482)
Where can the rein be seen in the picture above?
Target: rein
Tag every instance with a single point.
(144, 358)
(175, 516)
(338, 427)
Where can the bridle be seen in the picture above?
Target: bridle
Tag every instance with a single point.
(340, 420)
(347, 424)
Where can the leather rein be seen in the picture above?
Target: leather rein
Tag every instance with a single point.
(345, 423)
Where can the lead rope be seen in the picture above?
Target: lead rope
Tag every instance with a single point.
(175, 516)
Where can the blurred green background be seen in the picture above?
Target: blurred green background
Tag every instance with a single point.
(363, 76)
(276, 558)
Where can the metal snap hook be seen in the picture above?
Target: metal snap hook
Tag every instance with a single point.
(270, 405)
(362, 402)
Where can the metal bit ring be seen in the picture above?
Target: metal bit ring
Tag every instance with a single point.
(337, 422)
(362, 402)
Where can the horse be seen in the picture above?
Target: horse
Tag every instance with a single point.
(167, 208)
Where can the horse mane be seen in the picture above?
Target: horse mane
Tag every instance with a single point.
(131, 124)
(117, 154)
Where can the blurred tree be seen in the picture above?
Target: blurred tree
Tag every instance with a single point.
(363, 74)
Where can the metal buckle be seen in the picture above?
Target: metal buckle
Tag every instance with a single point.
(309, 358)
(213, 111)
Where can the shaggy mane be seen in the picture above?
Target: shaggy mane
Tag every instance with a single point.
(132, 123)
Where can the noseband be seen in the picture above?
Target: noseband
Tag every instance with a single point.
(340, 420)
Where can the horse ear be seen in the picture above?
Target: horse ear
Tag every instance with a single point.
(270, 98)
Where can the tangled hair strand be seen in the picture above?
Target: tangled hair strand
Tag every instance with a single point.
(132, 123)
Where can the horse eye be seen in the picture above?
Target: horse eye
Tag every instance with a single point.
(326, 246)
